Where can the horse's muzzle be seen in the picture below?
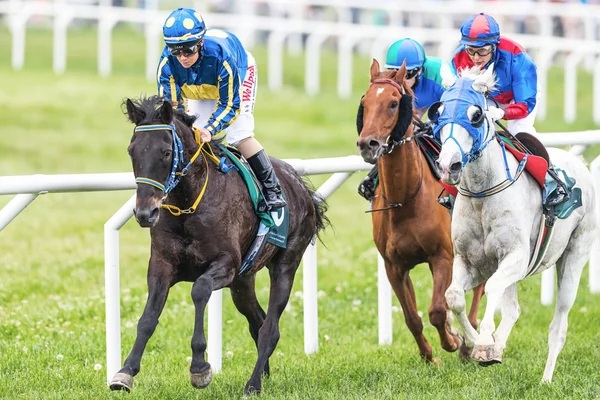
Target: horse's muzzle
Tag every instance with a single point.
(370, 149)
(147, 212)
(451, 175)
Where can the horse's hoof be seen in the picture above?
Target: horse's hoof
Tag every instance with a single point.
(464, 353)
(251, 390)
(202, 379)
(121, 381)
(486, 355)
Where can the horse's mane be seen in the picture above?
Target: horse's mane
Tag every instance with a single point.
(150, 106)
(484, 81)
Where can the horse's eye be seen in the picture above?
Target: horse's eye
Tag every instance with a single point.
(394, 104)
(167, 154)
(475, 115)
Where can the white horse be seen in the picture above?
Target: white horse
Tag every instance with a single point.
(497, 221)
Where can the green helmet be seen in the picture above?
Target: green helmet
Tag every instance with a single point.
(405, 49)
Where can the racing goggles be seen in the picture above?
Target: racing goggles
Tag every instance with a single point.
(185, 49)
(480, 51)
(411, 73)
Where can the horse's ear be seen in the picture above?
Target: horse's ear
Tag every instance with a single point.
(166, 112)
(401, 74)
(134, 114)
(433, 112)
(375, 69)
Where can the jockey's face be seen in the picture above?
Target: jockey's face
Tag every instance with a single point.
(480, 56)
(413, 77)
(187, 55)
(188, 60)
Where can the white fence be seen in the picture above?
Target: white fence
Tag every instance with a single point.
(27, 188)
(406, 18)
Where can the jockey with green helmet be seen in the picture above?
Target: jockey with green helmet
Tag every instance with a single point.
(423, 75)
(211, 70)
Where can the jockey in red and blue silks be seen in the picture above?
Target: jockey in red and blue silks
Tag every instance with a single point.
(218, 78)
(516, 74)
(423, 74)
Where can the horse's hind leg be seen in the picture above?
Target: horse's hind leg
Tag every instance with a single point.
(244, 298)
(477, 295)
(282, 274)
(159, 282)
(402, 285)
(568, 269)
(218, 275)
(441, 271)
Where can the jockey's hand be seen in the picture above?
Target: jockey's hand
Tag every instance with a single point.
(205, 135)
(495, 113)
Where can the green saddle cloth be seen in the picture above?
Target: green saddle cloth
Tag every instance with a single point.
(253, 189)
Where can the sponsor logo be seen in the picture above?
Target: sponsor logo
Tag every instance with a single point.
(278, 216)
(248, 83)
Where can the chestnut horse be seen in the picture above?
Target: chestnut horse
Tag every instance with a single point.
(409, 226)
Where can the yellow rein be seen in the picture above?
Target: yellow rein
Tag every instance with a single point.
(176, 211)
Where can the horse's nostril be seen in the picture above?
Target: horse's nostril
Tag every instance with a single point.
(374, 143)
(456, 167)
(153, 214)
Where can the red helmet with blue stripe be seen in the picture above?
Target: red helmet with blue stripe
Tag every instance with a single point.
(480, 30)
(183, 25)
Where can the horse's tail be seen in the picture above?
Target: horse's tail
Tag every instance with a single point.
(320, 205)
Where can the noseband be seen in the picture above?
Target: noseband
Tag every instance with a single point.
(178, 160)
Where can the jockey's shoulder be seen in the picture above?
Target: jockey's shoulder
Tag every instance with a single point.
(433, 66)
(510, 46)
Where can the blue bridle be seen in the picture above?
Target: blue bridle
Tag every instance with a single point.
(174, 176)
(456, 101)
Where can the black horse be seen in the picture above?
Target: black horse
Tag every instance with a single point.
(207, 246)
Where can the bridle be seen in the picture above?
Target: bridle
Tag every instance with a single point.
(391, 144)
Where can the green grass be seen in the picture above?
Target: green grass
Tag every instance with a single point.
(52, 268)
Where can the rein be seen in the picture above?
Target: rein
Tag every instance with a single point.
(178, 160)
(389, 147)
(412, 197)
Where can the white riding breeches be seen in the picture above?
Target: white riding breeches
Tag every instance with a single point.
(243, 126)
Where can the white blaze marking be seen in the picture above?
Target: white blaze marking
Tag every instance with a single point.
(379, 91)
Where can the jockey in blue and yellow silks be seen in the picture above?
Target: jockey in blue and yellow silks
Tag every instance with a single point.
(516, 73)
(423, 76)
(212, 71)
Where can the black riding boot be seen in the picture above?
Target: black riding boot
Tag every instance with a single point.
(262, 167)
(367, 187)
(559, 195)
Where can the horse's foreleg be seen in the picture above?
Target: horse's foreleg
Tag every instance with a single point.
(402, 285)
(462, 281)
(282, 279)
(244, 298)
(441, 270)
(159, 282)
(510, 311)
(510, 270)
(568, 270)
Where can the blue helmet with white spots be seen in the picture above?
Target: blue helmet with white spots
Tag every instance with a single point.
(183, 25)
